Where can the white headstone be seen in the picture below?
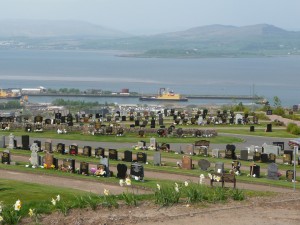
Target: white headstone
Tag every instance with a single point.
(34, 148)
(11, 144)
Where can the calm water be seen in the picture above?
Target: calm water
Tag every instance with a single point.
(276, 76)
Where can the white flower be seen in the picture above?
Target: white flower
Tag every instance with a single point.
(237, 173)
(106, 192)
(27, 166)
(176, 185)
(53, 201)
(128, 181)
(121, 182)
(217, 178)
(210, 176)
(17, 205)
(158, 186)
(176, 189)
(202, 176)
(31, 212)
(1, 218)
(254, 175)
(58, 198)
(186, 183)
(33, 167)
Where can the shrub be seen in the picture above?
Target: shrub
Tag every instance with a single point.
(290, 126)
(295, 130)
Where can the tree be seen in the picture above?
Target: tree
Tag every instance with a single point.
(277, 102)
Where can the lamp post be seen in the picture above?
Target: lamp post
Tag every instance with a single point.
(296, 148)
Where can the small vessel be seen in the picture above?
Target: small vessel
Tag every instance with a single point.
(9, 94)
(164, 95)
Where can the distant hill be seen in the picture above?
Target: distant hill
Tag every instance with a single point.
(49, 29)
(204, 41)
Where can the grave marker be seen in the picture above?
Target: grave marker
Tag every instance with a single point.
(273, 172)
(113, 154)
(157, 159)
(122, 171)
(5, 159)
(84, 168)
(186, 162)
(203, 164)
(137, 171)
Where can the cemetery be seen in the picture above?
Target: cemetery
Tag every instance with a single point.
(147, 148)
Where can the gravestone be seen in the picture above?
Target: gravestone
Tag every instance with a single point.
(2, 142)
(153, 142)
(256, 156)
(136, 123)
(141, 157)
(34, 154)
(269, 127)
(55, 163)
(289, 175)
(271, 149)
(280, 144)
(272, 171)
(189, 149)
(49, 160)
(244, 155)
(255, 171)
(215, 153)
(5, 159)
(105, 163)
(60, 148)
(41, 160)
(73, 149)
(84, 168)
(165, 147)
(203, 164)
(269, 112)
(87, 151)
(141, 144)
(122, 171)
(48, 146)
(272, 158)
(28, 128)
(113, 154)
(236, 165)
(39, 144)
(264, 158)
(123, 118)
(99, 152)
(127, 156)
(286, 159)
(68, 165)
(157, 159)
(137, 171)
(219, 167)
(289, 152)
(186, 162)
(252, 128)
(25, 142)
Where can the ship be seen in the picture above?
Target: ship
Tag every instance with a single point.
(164, 95)
(10, 94)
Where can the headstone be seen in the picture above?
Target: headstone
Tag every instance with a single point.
(290, 175)
(105, 163)
(186, 162)
(2, 142)
(127, 156)
(40, 160)
(100, 152)
(39, 144)
(122, 171)
(68, 165)
(5, 159)
(48, 160)
(230, 152)
(87, 151)
(244, 155)
(264, 158)
(219, 167)
(157, 159)
(286, 159)
(153, 142)
(272, 171)
(189, 149)
(137, 171)
(252, 128)
(269, 127)
(269, 112)
(272, 158)
(256, 156)
(34, 154)
(60, 148)
(25, 142)
(280, 144)
(73, 149)
(289, 152)
(84, 168)
(203, 164)
(271, 149)
(255, 171)
(165, 147)
(48, 146)
(215, 153)
(113, 154)
(236, 165)
(141, 157)
(28, 128)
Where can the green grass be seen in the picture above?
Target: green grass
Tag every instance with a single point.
(280, 133)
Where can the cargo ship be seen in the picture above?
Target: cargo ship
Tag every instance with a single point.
(164, 95)
(9, 94)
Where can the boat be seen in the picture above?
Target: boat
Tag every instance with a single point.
(9, 94)
(164, 95)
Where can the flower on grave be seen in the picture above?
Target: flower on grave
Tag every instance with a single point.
(53, 201)
(237, 173)
(210, 176)
(18, 205)
(93, 170)
(31, 212)
(217, 178)
(176, 185)
(186, 183)
(158, 186)
(121, 182)
(106, 192)
(128, 182)
(58, 198)
(202, 177)
(26, 166)
(45, 165)
(33, 167)
(52, 166)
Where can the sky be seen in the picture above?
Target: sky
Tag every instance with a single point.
(155, 16)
